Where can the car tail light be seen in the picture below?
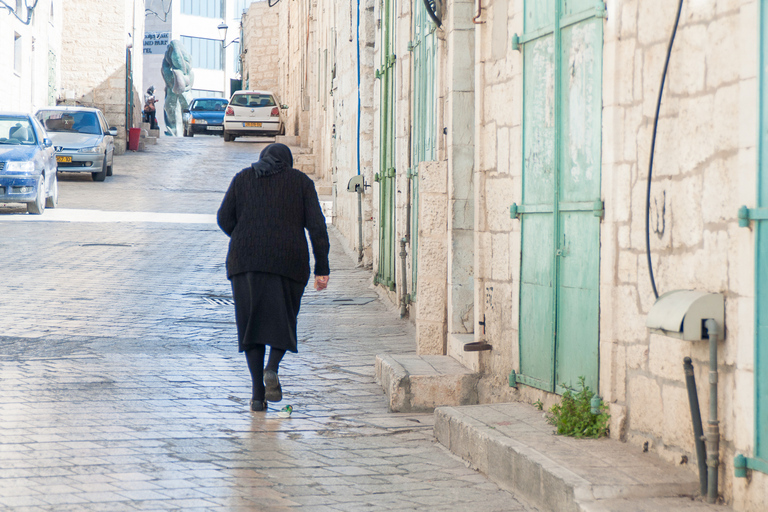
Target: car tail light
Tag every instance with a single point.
(230, 111)
(275, 112)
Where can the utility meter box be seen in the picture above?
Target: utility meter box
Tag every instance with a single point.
(682, 313)
(356, 184)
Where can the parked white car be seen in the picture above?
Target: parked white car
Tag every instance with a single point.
(82, 137)
(253, 113)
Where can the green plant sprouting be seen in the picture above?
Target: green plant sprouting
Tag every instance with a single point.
(573, 415)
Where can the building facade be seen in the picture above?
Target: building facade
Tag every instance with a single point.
(30, 55)
(505, 147)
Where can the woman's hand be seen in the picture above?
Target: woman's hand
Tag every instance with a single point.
(321, 282)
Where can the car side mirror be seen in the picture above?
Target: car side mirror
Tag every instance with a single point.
(47, 142)
(185, 111)
(112, 132)
(284, 107)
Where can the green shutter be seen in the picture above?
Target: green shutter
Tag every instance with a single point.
(561, 211)
(387, 173)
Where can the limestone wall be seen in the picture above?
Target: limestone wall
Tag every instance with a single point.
(95, 40)
(261, 62)
(704, 169)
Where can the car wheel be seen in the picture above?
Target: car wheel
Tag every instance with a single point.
(101, 176)
(185, 133)
(228, 137)
(110, 166)
(191, 133)
(52, 200)
(38, 205)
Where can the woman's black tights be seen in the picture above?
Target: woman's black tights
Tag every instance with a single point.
(255, 359)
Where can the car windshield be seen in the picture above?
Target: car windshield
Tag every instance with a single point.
(209, 105)
(17, 130)
(70, 121)
(253, 100)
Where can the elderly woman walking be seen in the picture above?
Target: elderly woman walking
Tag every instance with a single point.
(265, 212)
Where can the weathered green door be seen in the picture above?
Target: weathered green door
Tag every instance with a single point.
(424, 128)
(387, 175)
(561, 210)
(761, 260)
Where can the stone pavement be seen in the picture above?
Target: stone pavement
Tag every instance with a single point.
(120, 383)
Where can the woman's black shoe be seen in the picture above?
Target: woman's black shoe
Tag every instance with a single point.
(273, 391)
(258, 406)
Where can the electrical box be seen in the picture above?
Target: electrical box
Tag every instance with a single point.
(356, 184)
(681, 313)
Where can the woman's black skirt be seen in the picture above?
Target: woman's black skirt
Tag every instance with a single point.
(266, 307)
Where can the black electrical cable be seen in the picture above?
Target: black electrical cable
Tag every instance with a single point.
(653, 146)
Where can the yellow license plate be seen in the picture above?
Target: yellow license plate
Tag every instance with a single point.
(252, 125)
(63, 158)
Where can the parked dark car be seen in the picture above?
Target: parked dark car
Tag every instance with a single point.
(27, 163)
(205, 115)
(83, 140)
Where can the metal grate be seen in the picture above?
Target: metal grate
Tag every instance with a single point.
(219, 301)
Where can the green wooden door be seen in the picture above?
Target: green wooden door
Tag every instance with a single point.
(424, 127)
(561, 210)
(387, 174)
(761, 259)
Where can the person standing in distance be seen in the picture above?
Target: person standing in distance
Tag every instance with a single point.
(265, 212)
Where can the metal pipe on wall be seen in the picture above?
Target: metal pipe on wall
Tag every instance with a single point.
(698, 430)
(404, 279)
(713, 427)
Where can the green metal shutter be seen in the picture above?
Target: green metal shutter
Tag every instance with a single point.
(559, 284)
(387, 173)
(424, 129)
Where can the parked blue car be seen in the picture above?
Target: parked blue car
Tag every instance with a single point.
(27, 163)
(205, 115)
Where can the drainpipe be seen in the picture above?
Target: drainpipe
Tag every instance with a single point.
(713, 430)
(404, 279)
(698, 431)
(359, 224)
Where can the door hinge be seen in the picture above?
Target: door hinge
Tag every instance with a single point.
(411, 174)
(410, 46)
(376, 177)
(747, 214)
(599, 209)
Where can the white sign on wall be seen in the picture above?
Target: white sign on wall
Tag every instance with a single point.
(156, 42)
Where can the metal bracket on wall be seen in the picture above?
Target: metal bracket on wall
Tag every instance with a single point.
(741, 464)
(597, 208)
(747, 214)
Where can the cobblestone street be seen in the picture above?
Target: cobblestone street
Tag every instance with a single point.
(120, 383)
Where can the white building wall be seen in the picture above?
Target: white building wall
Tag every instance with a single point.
(28, 89)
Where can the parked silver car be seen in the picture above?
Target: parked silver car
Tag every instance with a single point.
(27, 163)
(83, 140)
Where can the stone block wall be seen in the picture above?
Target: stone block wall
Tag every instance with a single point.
(261, 62)
(95, 41)
(704, 169)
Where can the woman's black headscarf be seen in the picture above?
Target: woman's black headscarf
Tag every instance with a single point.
(273, 159)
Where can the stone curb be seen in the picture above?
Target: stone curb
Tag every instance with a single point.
(514, 463)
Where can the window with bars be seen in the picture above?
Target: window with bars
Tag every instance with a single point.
(204, 8)
(205, 53)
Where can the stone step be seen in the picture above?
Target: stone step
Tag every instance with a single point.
(150, 140)
(288, 140)
(514, 446)
(415, 383)
(155, 132)
(324, 190)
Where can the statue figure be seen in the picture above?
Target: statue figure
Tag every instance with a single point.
(178, 77)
